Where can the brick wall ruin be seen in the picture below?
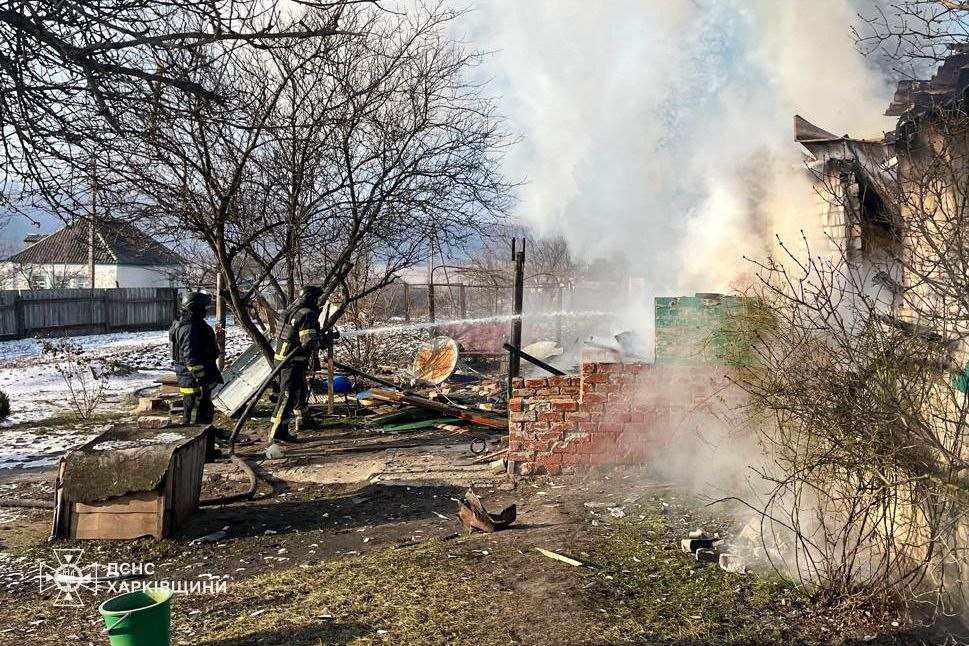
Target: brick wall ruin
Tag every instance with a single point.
(612, 413)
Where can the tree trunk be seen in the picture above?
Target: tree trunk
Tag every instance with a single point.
(240, 308)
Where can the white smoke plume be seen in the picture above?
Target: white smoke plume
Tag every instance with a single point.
(662, 131)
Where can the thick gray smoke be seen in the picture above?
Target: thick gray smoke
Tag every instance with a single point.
(661, 131)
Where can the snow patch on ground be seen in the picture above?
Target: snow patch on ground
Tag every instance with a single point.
(37, 391)
(115, 445)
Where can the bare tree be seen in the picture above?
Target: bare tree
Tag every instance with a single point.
(77, 75)
(912, 34)
(335, 153)
(863, 399)
(549, 260)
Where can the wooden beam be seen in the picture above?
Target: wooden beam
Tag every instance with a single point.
(453, 411)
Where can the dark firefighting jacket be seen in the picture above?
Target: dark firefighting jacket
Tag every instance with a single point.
(300, 329)
(194, 353)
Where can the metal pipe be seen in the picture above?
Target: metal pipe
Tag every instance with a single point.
(530, 359)
(361, 373)
(514, 361)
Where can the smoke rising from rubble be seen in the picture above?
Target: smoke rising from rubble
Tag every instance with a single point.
(662, 131)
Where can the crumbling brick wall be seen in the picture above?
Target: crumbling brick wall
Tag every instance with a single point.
(612, 413)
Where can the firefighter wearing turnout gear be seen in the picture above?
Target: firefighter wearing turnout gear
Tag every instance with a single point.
(194, 352)
(298, 335)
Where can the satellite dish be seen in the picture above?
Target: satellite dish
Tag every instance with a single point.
(436, 360)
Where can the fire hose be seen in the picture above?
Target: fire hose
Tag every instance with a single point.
(238, 461)
(330, 335)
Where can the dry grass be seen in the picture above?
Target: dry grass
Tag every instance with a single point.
(638, 588)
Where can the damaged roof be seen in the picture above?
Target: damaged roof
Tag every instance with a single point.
(804, 131)
(823, 144)
(917, 96)
(116, 243)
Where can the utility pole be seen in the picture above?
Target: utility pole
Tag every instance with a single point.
(92, 209)
(430, 276)
(220, 316)
(514, 360)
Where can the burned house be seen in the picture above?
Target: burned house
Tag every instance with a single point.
(893, 208)
(890, 210)
(855, 181)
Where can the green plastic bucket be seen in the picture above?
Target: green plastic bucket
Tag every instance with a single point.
(140, 618)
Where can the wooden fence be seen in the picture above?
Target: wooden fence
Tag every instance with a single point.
(54, 312)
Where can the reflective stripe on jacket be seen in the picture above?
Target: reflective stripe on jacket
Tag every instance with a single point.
(194, 353)
(301, 328)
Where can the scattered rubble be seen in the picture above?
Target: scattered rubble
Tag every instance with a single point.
(214, 537)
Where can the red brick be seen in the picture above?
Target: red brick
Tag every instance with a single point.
(593, 398)
(514, 445)
(521, 456)
(570, 390)
(634, 429)
(544, 392)
(517, 382)
(596, 378)
(516, 405)
(616, 417)
(613, 428)
(536, 445)
(546, 460)
(609, 367)
(575, 458)
(550, 417)
(565, 405)
(564, 447)
(549, 435)
(589, 427)
(562, 427)
(588, 368)
(526, 416)
(577, 416)
(536, 382)
(523, 392)
(559, 381)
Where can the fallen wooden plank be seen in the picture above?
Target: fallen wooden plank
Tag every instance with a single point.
(490, 421)
(402, 415)
(559, 557)
(489, 457)
(434, 422)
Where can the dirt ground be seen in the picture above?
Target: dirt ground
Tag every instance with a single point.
(350, 542)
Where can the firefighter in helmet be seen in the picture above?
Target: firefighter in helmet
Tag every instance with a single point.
(194, 352)
(299, 336)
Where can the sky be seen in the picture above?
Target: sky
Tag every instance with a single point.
(661, 132)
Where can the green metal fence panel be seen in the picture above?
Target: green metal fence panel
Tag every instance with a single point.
(705, 329)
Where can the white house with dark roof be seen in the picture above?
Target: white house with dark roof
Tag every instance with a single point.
(124, 256)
